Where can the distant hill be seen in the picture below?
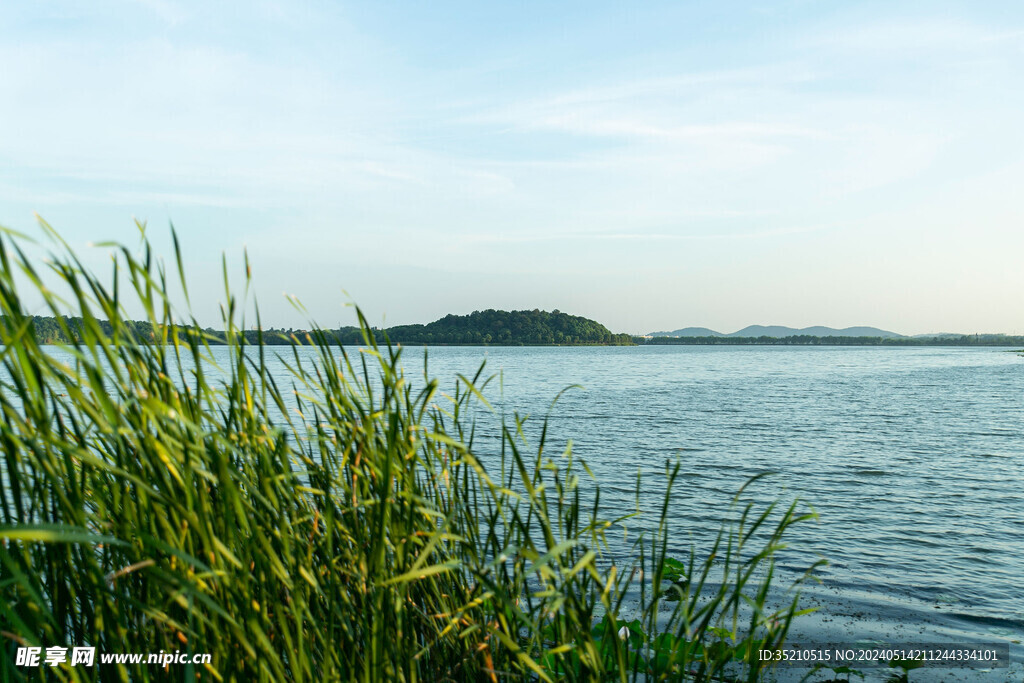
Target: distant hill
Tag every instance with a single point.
(689, 332)
(507, 328)
(781, 331)
(817, 331)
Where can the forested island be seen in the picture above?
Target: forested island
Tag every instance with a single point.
(490, 327)
(508, 328)
(809, 340)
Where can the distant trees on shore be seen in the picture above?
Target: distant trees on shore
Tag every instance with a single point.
(50, 330)
(491, 327)
(507, 328)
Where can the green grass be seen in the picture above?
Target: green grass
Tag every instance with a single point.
(151, 501)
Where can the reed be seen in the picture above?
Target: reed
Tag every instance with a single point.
(151, 500)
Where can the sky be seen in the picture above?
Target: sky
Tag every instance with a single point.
(650, 165)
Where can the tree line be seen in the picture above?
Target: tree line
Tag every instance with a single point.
(490, 327)
(502, 328)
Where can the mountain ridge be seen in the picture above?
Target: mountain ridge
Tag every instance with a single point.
(781, 331)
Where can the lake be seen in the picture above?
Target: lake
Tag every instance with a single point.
(912, 457)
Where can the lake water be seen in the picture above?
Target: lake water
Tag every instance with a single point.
(912, 457)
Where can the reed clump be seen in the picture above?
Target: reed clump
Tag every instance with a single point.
(338, 524)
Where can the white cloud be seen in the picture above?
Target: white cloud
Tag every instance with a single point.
(577, 237)
(171, 13)
(908, 37)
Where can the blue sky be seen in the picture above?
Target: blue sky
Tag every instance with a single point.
(651, 165)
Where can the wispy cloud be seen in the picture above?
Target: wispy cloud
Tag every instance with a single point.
(581, 124)
(786, 73)
(169, 12)
(669, 109)
(912, 36)
(577, 237)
